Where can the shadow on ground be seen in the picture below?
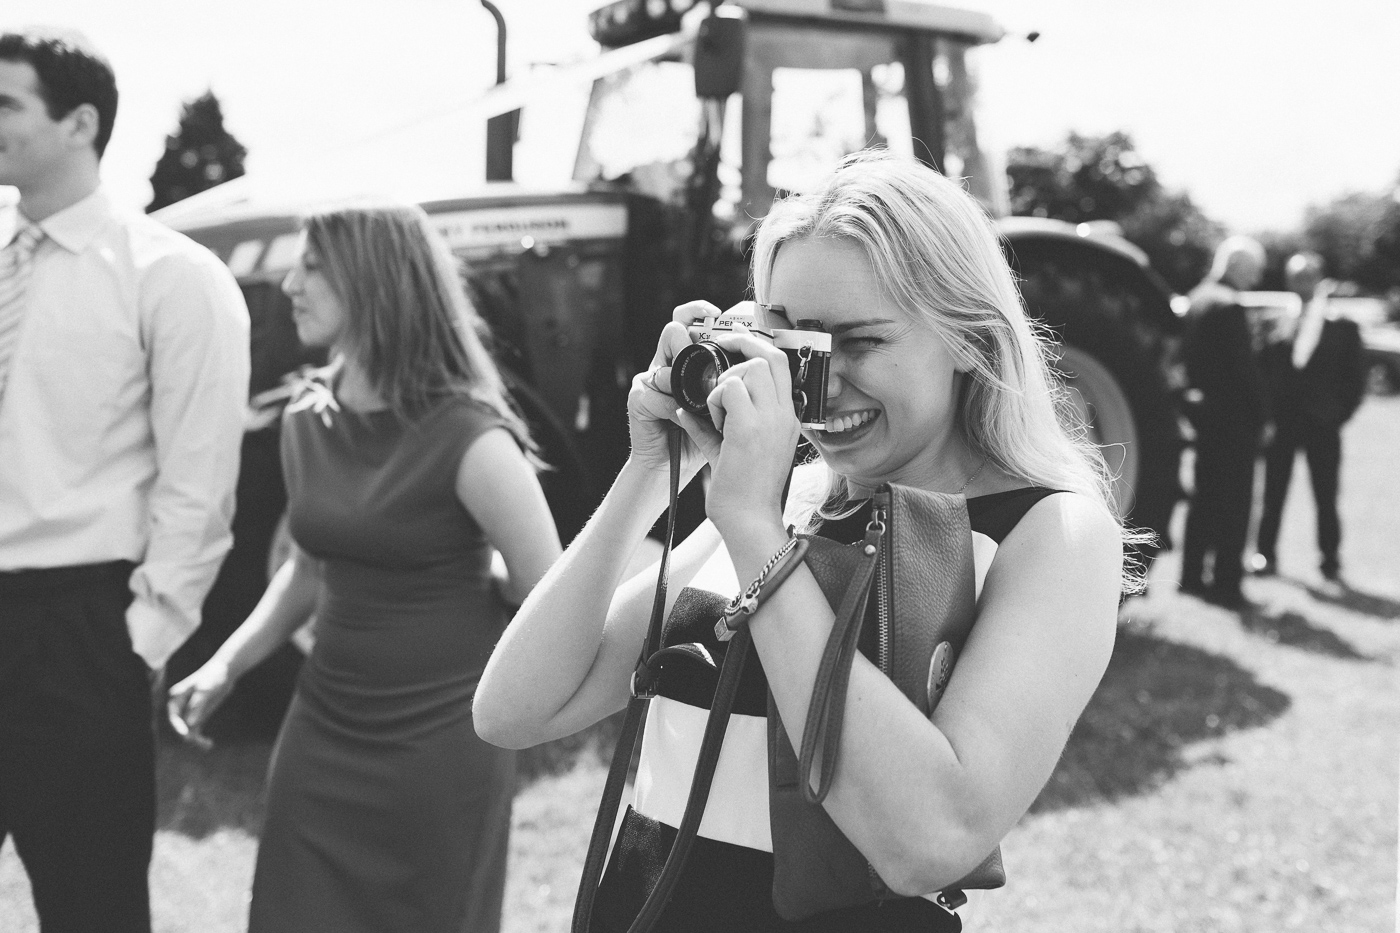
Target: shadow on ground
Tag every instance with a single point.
(199, 793)
(1344, 595)
(1157, 697)
(1296, 630)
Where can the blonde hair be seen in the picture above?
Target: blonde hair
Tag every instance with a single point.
(937, 253)
(408, 319)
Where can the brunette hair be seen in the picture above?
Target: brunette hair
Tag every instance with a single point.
(71, 72)
(408, 319)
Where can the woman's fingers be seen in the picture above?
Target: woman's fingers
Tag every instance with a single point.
(674, 338)
(741, 392)
(693, 311)
(193, 703)
(702, 433)
(756, 349)
(188, 707)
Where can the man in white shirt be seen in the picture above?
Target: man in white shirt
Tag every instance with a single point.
(123, 379)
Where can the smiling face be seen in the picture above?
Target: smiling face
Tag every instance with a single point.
(317, 310)
(892, 395)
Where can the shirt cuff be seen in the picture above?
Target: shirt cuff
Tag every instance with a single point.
(156, 631)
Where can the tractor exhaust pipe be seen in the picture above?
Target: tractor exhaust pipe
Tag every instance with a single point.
(500, 129)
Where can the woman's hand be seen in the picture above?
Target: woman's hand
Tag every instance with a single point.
(749, 436)
(193, 700)
(650, 406)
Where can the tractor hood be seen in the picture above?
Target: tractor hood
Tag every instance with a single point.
(498, 219)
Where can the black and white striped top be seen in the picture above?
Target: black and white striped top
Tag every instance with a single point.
(728, 878)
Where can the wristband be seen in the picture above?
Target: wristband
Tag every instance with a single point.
(736, 614)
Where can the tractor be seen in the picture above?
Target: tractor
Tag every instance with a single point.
(675, 139)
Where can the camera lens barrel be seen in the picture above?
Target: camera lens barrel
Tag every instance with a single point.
(694, 373)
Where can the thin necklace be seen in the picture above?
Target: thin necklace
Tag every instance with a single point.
(975, 473)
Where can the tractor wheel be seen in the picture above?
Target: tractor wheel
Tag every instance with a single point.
(1116, 334)
(1104, 409)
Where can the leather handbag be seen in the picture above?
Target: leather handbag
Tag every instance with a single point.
(915, 562)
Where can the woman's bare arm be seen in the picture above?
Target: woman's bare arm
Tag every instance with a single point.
(497, 485)
(566, 659)
(927, 799)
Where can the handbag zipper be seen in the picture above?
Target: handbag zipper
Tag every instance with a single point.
(879, 524)
(884, 582)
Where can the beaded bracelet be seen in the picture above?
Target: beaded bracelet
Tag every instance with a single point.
(736, 614)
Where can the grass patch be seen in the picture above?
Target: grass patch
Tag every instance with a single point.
(1235, 772)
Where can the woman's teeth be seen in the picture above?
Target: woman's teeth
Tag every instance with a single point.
(842, 423)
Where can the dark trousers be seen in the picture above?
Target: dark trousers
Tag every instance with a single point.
(1323, 448)
(1217, 523)
(77, 747)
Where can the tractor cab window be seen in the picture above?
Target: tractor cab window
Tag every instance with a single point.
(963, 156)
(640, 128)
(814, 95)
(822, 114)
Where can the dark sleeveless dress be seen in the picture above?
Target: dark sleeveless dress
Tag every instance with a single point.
(385, 812)
(727, 883)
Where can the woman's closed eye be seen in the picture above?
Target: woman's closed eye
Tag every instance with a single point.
(862, 343)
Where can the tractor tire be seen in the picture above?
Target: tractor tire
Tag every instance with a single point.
(1117, 336)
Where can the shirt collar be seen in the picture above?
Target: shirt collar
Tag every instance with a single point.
(74, 227)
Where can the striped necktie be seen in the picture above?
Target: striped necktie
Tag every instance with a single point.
(16, 264)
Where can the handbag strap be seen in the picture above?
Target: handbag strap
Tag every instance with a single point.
(643, 688)
(821, 735)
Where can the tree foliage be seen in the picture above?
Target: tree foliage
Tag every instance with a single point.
(1358, 236)
(200, 154)
(1091, 178)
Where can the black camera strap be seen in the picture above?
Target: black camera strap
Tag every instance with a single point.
(643, 689)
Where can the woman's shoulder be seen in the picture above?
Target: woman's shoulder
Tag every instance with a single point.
(461, 410)
(994, 514)
(1058, 528)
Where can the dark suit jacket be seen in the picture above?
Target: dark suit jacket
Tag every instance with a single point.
(1218, 350)
(1328, 390)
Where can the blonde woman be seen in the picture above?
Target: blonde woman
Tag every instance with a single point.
(405, 468)
(938, 381)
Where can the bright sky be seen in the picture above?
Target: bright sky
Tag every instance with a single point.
(1257, 108)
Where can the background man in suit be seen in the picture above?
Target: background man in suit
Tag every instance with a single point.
(1316, 378)
(123, 380)
(1230, 418)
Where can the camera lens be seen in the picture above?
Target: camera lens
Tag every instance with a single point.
(694, 373)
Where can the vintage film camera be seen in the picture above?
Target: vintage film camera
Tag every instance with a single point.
(697, 368)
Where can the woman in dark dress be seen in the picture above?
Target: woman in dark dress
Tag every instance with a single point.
(406, 471)
(938, 381)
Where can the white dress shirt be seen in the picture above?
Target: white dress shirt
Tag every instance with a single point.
(122, 417)
(1309, 331)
